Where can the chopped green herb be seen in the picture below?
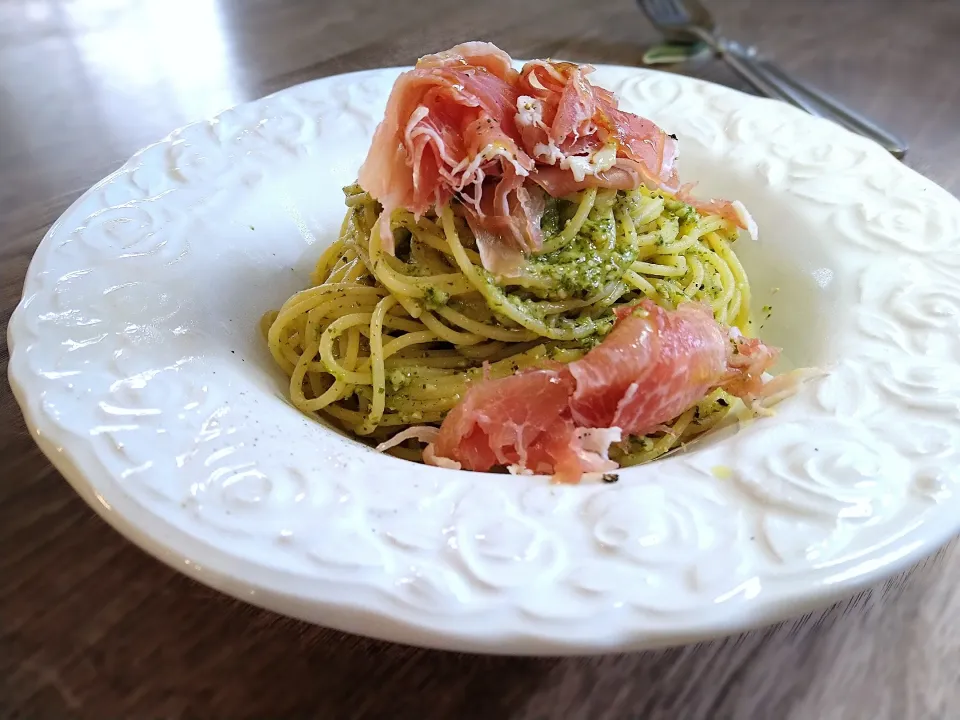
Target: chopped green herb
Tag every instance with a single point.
(434, 298)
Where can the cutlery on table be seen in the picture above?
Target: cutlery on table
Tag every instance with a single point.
(688, 21)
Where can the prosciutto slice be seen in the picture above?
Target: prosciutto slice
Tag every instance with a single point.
(522, 422)
(448, 126)
(654, 365)
(464, 123)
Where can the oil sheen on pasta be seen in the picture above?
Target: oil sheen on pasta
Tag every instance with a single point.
(379, 343)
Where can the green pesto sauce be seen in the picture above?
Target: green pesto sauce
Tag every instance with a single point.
(550, 224)
(685, 214)
(595, 258)
(591, 265)
(398, 379)
(434, 298)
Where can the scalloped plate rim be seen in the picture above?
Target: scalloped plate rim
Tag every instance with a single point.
(400, 629)
(506, 642)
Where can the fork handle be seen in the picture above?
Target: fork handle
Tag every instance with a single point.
(849, 118)
(773, 82)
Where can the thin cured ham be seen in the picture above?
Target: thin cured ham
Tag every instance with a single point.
(465, 124)
(522, 422)
(653, 365)
(568, 124)
(448, 126)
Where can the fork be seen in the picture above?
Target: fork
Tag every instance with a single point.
(688, 21)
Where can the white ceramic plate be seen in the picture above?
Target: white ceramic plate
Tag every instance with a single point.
(138, 364)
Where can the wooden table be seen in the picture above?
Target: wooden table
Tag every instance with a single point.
(92, 627)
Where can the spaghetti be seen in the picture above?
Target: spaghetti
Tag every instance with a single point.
(381, 342)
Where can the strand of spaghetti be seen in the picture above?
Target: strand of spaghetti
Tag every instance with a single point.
(355, 194)
(682, 244)
(669, 230)
(363, 372)
(712, 223)
(400, 323)
(628, 227)
(648, 244)
(648, 210)
(484, 350)
(408, 340)
(451, 384)
(346, 303)
(641, 284)
(338, 273)
(304, 300)
(570, 230)
(326, 347)
(291, 350)
(742, 316)
(438, 243)
(726, 277)
(333, 393)
(579, 327)
(707, 422)
(377, 367)
(367, 217)
(673, 261)
(266, 320)
(312, 328)
(296, 377)
(435, 392)
(511, 329)
(330, 256)
(661, 445)
(486, 330)
(454, 337)
(348, 260)
(353, 418)
(733, 309)
(318, 382)
(296, 306)
(661, 269)
(696, 282)
(411, 305)
(602, 298)
(357, 271)
(338, 390)
(422, 255)
(442, 402)
(452, 283)
(352, 352)
(450, 363)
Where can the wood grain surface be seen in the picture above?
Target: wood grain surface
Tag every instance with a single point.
(91, 627)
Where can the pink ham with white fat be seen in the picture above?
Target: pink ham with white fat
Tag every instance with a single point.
(465, 124)
(654, 365)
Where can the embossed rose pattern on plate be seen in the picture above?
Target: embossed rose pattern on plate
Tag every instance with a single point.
(136, 360)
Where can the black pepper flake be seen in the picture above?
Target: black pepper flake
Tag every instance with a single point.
(721, 401)
(674, 136)
(610, 477)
